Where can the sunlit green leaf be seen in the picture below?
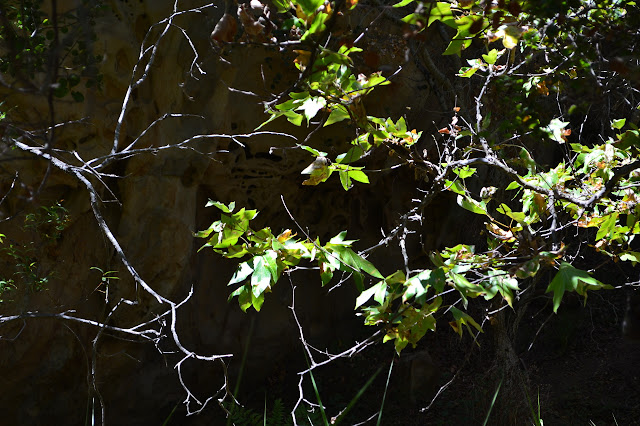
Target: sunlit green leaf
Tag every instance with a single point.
(317, 25)
(376, 289)
(608, 226)
(467, 72)
(261, 276)
(345, 180)
(338, 113)
(355, 262)
(417, 285)
(464, 172)
(502, 283)
(309, 6)
(311, 107)
(242, 273)
(618, 124)
(472, 205)
(313, 151)
(631, 256)
(221, 206)
(555, 130)
(492, 56)
(455, 186)
(358, 176)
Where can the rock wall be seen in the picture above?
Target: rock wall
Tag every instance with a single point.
(153, 202)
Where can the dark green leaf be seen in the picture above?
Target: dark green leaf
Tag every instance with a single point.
(569, 278)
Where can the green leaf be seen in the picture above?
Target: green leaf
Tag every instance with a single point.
(501, 282)
(519, 217)
(235, 251)
(242, 273)
(317, 26)
(261, 277)
(464, 172)
(350, 156)
(326, 273)
(282, 5)
(628, 139)
(221, 206)
(271, 262)
(438, 279)
(311, 106)
(375, 290)
(455, 186)
(309, 6)
(618, 124)
(465, 25)
(417, 285)
(231, 228)
(631, 256)
(555, 130)
(345, 180)
(338, 113)
(397, 277)
(269, 120)
(492, 56)
(358, 176)
(441, 11)
(467, 72)
(77, 96)
(340, 240)
(528, 160)
(569, 278)
(380, 294)
(464, 286)
(401, 125)
(216, 226)
(257, 301)
(472, 205)
(528, 269)
(607, 227)
(462, 318)
(313, 150)
(355, 261)
(510, 35)
(244, 296)
(513, 185)
(403, 3)
(293, 117)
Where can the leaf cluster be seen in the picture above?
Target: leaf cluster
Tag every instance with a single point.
(45, 225)
(272, 255)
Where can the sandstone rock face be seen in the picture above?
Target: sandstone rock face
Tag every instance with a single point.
(153, 202)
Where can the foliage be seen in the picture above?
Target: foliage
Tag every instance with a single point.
(558, 202)
(47, 222)
(277, 416)
(531, 49)
(44, 225)
(271, 255)
(31, 41)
